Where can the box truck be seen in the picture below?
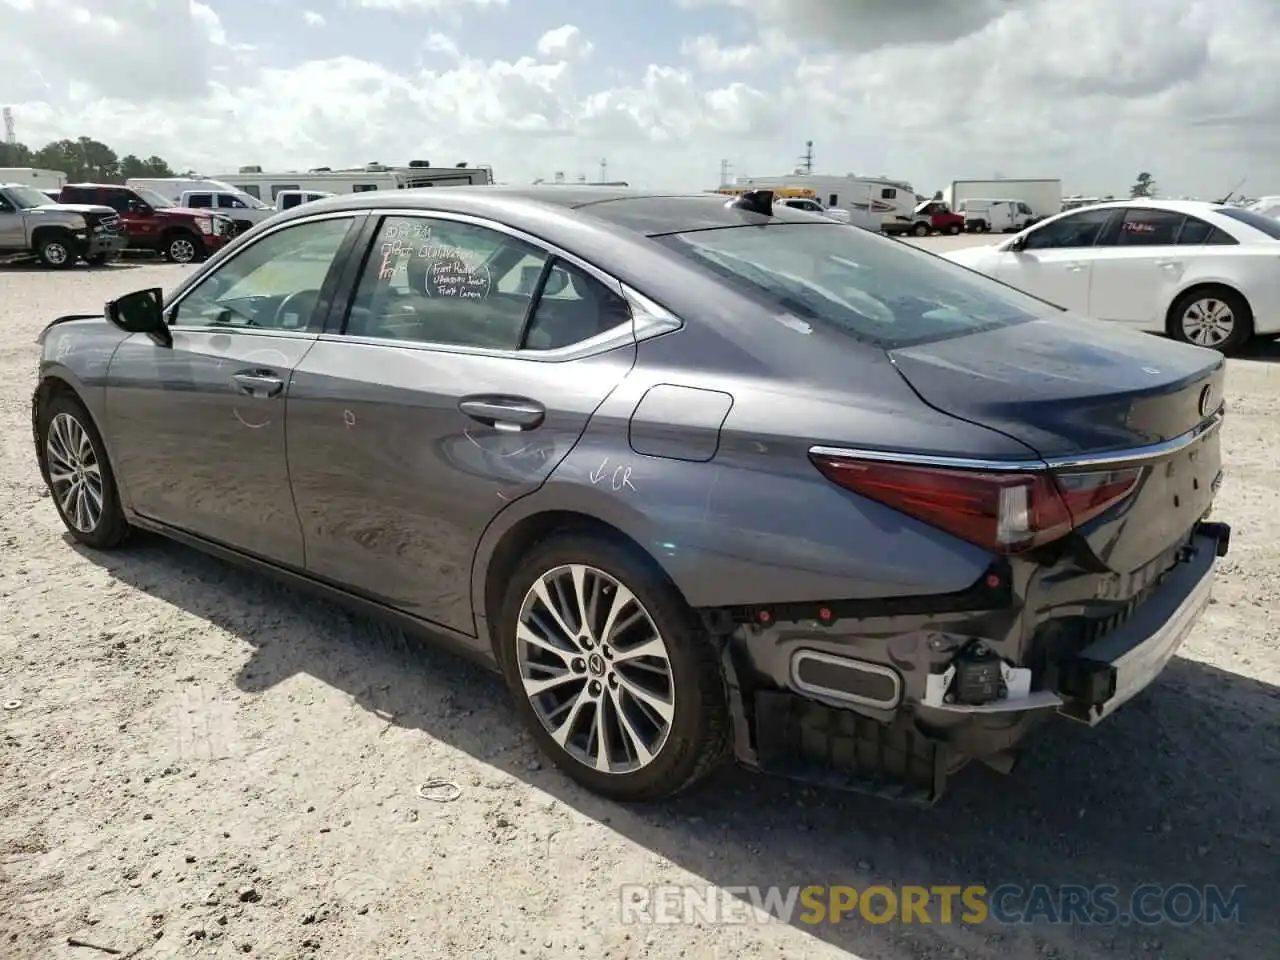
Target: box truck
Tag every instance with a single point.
(1043, 196)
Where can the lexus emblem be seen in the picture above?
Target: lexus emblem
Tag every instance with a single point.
(1206, 401)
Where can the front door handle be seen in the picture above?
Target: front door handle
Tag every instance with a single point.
(504, 413)
(258, 383)
(1168, 263)
(1074, 267)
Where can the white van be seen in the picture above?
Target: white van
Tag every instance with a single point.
(995, 216)
(286, 199)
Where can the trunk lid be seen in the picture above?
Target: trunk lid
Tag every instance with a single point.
(1070, 387)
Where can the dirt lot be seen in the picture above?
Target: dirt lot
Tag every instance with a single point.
(197, 762)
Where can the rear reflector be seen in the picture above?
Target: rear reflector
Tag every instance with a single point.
(1002, 512)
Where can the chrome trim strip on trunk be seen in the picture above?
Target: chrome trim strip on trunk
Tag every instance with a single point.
(1141, 454)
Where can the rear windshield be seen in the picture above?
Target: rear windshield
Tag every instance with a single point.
(1258, 221)
(875, 289)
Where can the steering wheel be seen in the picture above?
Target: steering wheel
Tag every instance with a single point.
(300, 306)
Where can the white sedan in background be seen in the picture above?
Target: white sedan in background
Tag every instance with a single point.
(1201, 272)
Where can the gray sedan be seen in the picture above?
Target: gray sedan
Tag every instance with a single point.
(698, 477)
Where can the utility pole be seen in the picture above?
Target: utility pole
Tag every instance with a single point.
(724, 173)
(604, 170)
(10, 132)
(806, 161)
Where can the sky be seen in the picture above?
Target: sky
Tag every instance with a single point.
(1092, 91)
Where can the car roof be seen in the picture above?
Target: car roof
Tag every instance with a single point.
(649, 213)
(1195, 207)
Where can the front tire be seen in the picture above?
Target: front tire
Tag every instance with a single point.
(954, 229)
(79, 475)
(183, 248)
(56, 251)
(920, 230)
(611, 671)
(1219, 319)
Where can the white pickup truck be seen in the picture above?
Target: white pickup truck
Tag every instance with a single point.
(240, 207)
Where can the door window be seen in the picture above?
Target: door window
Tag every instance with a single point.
(1077, 230)
(1023, 208)
(276, 188)
(199, 201)
(117, 200)
(833, 200)
(5, 205)
(273, 285)
(443, 282)
(227, 202)
(1143, 227)
(888, 193)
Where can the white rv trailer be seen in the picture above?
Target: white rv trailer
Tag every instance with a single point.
(878, 196)
(33, 177)
(375, 176)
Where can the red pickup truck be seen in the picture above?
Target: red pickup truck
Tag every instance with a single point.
(932, 216)
(151, 222)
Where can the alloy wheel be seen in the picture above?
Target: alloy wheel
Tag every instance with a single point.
(1208, 322)
(595, 668)
(56, 254)
(182, 251)
(75, 475)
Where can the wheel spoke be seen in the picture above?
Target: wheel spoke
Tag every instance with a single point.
(540, 588)
(629, 731)
(579, 575)
(663, 708)
(537, 687)
(525, 635)
(600, 736)
(561, 733)
(621, 598)
(653, 647)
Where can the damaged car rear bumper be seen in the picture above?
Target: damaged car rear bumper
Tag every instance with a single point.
(891, 704)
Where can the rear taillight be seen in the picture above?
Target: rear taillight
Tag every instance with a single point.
(1003, 512)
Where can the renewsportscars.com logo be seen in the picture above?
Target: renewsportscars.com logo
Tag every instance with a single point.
(974, 904)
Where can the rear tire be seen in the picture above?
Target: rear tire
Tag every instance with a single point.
(659, 741)
(80, 480)
(56, 251)
(1214, 317)
(920, 230)
(953, 229)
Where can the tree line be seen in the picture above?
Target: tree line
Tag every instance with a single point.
(84, 160)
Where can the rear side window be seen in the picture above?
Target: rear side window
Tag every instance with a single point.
(875, 290)
(117, 200)
(199, 201)
(1142, 227)
(1258, 221)
(1196, 231)
(78, 195)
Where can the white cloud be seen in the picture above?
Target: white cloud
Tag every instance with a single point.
(566, 43)
(439, 43)
(312, 19)
(426, 6)
(709, 54)
(1090, 90)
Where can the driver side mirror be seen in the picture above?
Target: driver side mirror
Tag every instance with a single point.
(141, 312)
(1017, 244)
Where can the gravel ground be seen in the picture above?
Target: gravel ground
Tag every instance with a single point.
(205, 764)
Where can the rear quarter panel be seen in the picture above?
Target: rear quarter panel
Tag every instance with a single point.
(1253, 271)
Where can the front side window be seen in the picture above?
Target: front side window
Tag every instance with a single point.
(272, 285)
(118, 200)
(228, 202)
(154, 199)
(1077, 230)
(1144, 227)
(880, 292)
(1023, 208)
(199, 201)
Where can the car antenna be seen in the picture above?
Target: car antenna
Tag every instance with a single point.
(1233, 190)
(757, 201)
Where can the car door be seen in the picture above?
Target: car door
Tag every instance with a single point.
(198, 428)
(13, 234)
(1144, 265)
(1056, 259)
(466, 368)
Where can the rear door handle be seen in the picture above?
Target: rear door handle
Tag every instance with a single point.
(504, 413)
(258, 383)
(1074, 267)
(1168, 263)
